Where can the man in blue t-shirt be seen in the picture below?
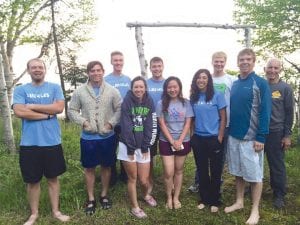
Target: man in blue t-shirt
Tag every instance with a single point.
(155, 89)
(117, 79)
(250, 109)
(121, 82)
(41, 154)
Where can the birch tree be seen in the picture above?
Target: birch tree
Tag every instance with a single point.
(23, 22)
(8, 135)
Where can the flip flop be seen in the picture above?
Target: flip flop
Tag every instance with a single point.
(138, 213)
(151, 201)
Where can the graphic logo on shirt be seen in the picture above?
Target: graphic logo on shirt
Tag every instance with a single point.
(139, 115)
(154, 89)
(40, 95)
(202, 102)
(174, 114)
(220, 87)
(121, 85)
(276, 94)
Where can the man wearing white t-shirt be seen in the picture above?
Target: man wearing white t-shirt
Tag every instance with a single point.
(222, 83)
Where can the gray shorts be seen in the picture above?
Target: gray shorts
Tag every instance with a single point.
(244, 161)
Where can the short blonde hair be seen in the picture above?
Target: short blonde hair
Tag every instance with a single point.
(116, 53)
(219, 55)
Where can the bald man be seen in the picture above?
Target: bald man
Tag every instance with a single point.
(278, 140)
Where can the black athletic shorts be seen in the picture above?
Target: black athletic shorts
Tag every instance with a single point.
(36, 162)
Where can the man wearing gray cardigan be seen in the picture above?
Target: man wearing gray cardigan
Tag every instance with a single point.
(96, 107)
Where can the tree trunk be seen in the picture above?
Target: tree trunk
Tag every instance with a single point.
(140, 48)
(298, 112)
(297, 99)
(59, 65)
(8, 75)
(8, 137)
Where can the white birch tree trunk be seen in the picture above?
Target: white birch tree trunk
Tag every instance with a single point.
(8, 75)
(8, 137)
(140, 48)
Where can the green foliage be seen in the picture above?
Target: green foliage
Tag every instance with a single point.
(232, 72)
(14, 207)
(278, 23)
(277, 33)
(73, 74)
(30, 22)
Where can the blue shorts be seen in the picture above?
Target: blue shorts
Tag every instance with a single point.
(98, 152)
(244, 161)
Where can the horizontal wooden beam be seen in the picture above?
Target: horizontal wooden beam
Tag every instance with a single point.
(209, 25)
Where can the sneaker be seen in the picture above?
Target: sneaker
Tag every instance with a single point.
(278, 202)
(194, 188)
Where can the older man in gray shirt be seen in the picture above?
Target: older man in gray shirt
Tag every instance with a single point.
(278, 140)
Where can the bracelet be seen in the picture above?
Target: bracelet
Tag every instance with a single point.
(49, 117)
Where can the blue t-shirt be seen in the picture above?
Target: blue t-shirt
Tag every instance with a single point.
(207, 118)
(39, 132)
(155, 89)
(175, 118)
(121, 82)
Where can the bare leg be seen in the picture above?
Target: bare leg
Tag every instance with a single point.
(143, 171)
(131, 170)
(151, 183)
(256, 189)
(105, 178)
(33, 193)
(53, 189)
(169, 167)
(179, 162)
(240, 188)
(89, 174)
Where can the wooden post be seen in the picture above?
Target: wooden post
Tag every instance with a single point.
(247, 37)
(140, 48)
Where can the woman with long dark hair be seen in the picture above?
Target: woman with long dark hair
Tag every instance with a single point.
(174, 116)
(207, 142)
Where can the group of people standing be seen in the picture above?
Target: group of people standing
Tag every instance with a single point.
(131, 120)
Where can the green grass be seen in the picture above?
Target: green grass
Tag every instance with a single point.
(14, 207)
